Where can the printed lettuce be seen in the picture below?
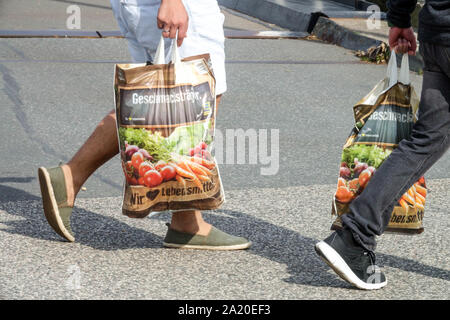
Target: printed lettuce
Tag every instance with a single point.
(187, 137)
(370, 154)
(156, 145)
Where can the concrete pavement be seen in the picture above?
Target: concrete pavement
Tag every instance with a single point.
(119, 258)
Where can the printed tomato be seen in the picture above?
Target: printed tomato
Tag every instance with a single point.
(152, 178)
(137, 159)
(132, 181)
(129, 166)
(160, 164)
(143, 168)
(342, 182)
(344, 195)
(364, 177)
(141, 181)
(168, 173)
(354, 185)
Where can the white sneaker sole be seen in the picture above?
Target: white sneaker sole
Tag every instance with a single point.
(200, 247)
(335, 261)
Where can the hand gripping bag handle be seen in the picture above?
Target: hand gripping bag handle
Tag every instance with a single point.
(160, 56)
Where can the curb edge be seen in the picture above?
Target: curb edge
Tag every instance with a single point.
(324, 28)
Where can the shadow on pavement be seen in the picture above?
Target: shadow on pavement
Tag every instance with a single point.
(90, 228)
(17, 179)
(288, 247)
(281, 245)
(12, 194)
(270, 241)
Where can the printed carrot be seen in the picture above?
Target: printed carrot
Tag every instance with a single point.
(403, 204)
(421, 190)
(184, 166)
(408, 198)
(201, 169)
(182, 172)
(203, 162)
(203, 178)
(418, 200)
(198, 183)
(411, 192)
(181, 180)
(190, 175)
(419, 196)
(198, 172)
(419, 205)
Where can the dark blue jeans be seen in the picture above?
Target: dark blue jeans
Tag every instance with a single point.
(370, 213)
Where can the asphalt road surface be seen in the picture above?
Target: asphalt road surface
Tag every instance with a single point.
(54, 91)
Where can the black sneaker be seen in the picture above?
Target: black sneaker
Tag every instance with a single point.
(350, 261)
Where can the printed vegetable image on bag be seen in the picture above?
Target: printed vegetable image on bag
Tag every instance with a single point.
(382, 119)
(165, 121)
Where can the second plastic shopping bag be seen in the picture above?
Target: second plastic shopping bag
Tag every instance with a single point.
(382, 119)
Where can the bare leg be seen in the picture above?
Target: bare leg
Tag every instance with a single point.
(100, 147)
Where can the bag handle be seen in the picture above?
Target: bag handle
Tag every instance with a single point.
(175, 58)
(392, 73)
(404, 70)
(160, 56)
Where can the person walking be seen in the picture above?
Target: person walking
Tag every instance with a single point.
(350, 250)
(198, 26)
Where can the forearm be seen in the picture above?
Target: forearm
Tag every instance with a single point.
(399, 12)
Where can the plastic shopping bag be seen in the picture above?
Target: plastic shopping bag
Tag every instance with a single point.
(382, 119)
(165, 122)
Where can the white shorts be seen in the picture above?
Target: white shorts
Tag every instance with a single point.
(138, 24)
